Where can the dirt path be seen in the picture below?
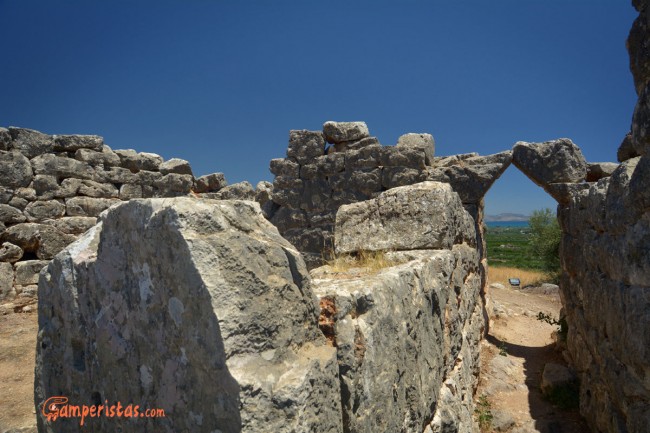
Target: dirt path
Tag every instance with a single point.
(17, 348)
(513, 358)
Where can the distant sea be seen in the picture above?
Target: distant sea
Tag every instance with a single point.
(507, 223)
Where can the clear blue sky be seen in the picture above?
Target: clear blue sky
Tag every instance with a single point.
(220, 83)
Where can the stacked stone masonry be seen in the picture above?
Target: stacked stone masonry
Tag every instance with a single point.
(343, 164)
(53, 188)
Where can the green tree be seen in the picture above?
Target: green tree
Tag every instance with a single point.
(545, 241)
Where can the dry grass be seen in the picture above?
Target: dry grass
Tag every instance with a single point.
(526, 276)
(370, 261)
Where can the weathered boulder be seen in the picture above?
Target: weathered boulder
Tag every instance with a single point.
(129, 191)
(599, 170)
(237, 191)
(37, 211)
(284, 167)
(74, 225)
(263, 194)
(29, 142)
(115, 175)
(91, 188)
(339, 132)
(641, 123)
(68, 188)
(104, 157)
(5, 195)
(10, 253)
(61, 167)
(11, 215)
(72, 143)
(557, 161)
(43, 240)
(305, 145)
(28, 270)
(219, 307)
(134, 161)
(5, 139)
(6, 281)
(15, 170)
(427, 215)
(45, 186)
(412, 157)
(353, 145)
(88, 206)
(210, 183)
(422, 142)
(626, 150)
(176, 165)
(173, 184)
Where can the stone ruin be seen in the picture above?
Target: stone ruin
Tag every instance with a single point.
(204, 308)
(53, 188)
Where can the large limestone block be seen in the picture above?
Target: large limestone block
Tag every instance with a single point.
(88, 206)
(103, 157)
(114, 175)
(556, 161)
(210, 183)
(305, 145)
(134, 161)
(61, 167)
(470, 175)
(422, 142)
(37, 211)
(10, 253)
(641, 123)
(98, 190)
(339, 132)
(72, 143)
(26, 272)
(198, 307)
(599, 170)
(15, 170)
(176, 165)
(283, 167)
(10, 215)
(43, 240)
(401, 335)
(427, 215)
(29, 142)
(237, 191)
(626, 150)
(75, 225)
(5, 139)
(6, 281)
(173, 184)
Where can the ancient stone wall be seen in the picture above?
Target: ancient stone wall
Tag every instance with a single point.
(53, 188)
(605, 255)
(200, 308)
(343, 164)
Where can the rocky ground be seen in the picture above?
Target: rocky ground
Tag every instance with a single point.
(17, 346)
(513, 359)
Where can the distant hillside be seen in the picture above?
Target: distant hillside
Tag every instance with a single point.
(506, 217)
